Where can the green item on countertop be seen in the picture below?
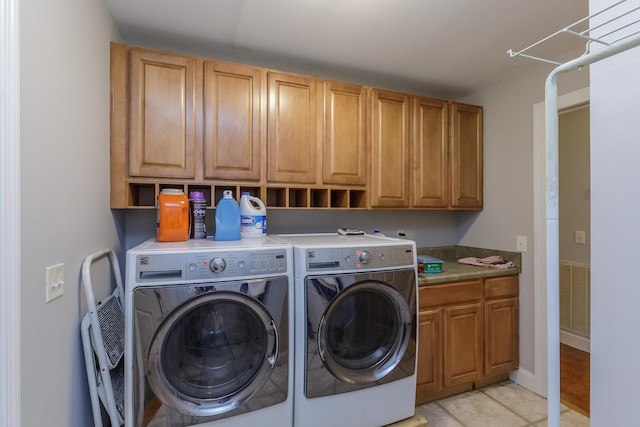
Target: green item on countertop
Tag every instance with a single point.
(430, 265)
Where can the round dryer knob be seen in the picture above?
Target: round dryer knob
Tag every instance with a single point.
(364, 257)
(217, 265)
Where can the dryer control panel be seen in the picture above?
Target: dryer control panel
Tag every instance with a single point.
(355, 258)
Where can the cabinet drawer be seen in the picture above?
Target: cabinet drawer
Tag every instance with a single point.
(499, 287)
(450, 293)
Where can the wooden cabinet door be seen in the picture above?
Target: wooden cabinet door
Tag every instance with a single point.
(344, 149)
(466, 156)
(463, 343)
(501, 336)
(162, 119)
(389, 149)
(501, 325)
(430, 148)
(231, 121)
(293, 122)
(429, 374)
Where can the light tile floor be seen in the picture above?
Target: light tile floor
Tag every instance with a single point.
(506, 404)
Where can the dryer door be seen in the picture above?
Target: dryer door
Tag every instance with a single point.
(212, 353)
(364, 330)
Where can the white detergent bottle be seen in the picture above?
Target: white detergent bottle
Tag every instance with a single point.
(253, 217)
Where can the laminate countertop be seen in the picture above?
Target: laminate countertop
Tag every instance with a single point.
(453, 271)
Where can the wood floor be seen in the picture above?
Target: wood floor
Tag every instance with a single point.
(575, 378)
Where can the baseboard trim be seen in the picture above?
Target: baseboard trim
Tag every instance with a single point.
(575, 341)
(527, 380)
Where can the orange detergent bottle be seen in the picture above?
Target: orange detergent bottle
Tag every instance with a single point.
(172, 216)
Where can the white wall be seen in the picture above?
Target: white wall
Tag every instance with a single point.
(64, 98)
(508, 178)
(574, 184)
(615, 228)
(427, 228)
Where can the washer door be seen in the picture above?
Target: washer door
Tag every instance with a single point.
(364, 332)
(212, 353)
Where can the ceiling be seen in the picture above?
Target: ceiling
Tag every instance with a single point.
(443, 48)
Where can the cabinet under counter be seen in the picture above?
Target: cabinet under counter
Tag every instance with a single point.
(468, 327)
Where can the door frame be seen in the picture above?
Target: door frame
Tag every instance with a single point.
(10, 213)
(539, 231)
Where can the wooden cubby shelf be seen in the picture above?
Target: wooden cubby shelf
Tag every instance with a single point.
(319, 198)
(145, 194)
(276, 197)
(357, 199)
(142, 195)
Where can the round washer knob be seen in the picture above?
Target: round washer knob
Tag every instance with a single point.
(217, 265)
(364, 257)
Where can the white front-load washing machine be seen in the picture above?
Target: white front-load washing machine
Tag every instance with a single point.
(355, 329)
(209, 331)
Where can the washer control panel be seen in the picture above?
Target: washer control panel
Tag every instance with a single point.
(354, 258)
(236, 264)
(210, 265)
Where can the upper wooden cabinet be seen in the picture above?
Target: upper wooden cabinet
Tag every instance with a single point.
(296, 141)
(390, 120)
(293, 128)
(162, 124)
(447, 155)
(344, 154)
(466, 156)
(430, 153)
(445, 169)
(231, 121)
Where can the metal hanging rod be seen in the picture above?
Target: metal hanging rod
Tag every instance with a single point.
(603, 39)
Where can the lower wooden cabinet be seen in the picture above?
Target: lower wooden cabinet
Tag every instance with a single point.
(501, 325)
(429, 375)
(463, 342)
(468, 333)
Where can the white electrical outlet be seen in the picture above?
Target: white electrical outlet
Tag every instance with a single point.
(580, 237)
(55, 281)
(521, 243)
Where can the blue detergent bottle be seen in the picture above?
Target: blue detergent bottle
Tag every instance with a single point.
(227, 218)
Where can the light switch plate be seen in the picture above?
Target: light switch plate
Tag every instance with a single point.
(521, 243)
(55, 282)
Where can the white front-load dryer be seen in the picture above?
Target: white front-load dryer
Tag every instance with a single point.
(209, 334)
(355, 329)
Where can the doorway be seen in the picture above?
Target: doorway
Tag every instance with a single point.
(574, 255)
(574, 225)
(539, 382)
